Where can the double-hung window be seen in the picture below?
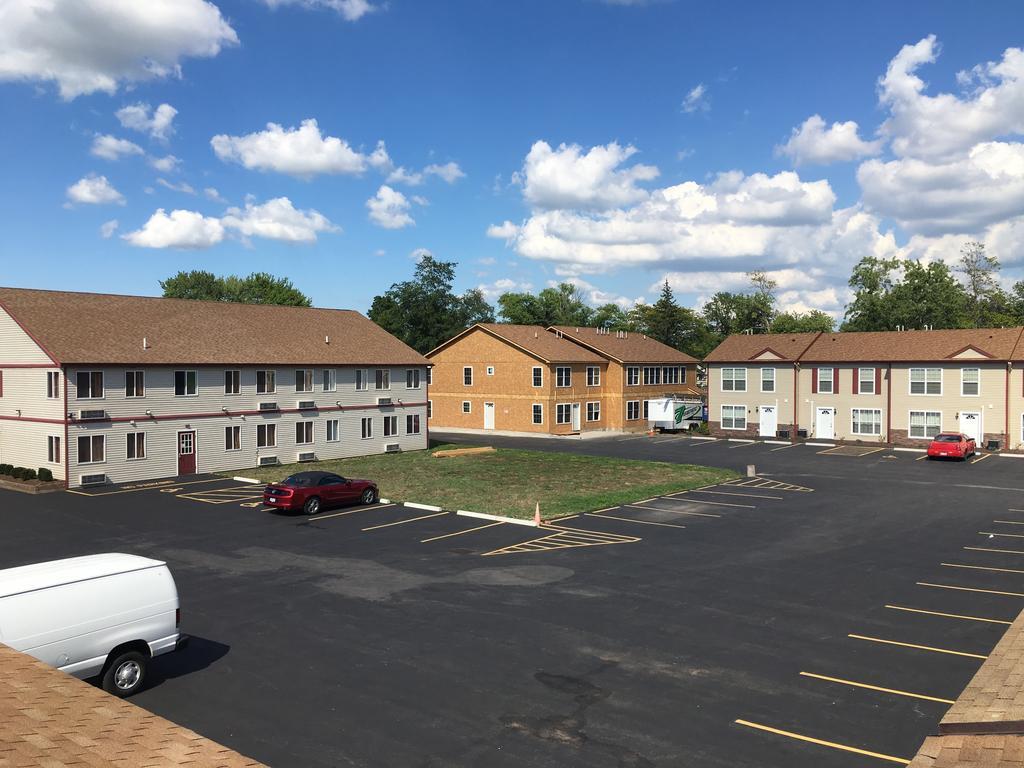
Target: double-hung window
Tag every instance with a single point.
(632, 410)
(866, 421)
(186, 384)
(538, 413)
(734, 379)
(430, 409)
(136, 446)
(594, 411)
(361, 380)
(304, 380)
(333, 434)
(232, 438)
(412, 378)
(593, 376)
(430, 375)
(632, 376)
(538, 376)
(232, 382)
(467, 406)
(826, 381)
(390, 426)
(330, 380)
(926, 381)
(866, 383)
(467, 376)
(734, 417)
(134, 384)
(670, 374)
(92, 449)
(53, 384)
(563, 376)
(89, 385)
(266, 435)
(53, 449)
(266, 382)
(303, 432)
(767, 379)
(970, 381)
(563, 413)
(366, 424)
(652, 375)
(412, 424)
(382, 378)
(925, 424)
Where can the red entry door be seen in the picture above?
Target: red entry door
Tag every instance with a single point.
(186, 453)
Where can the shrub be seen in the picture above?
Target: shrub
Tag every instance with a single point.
(17, 473)
(28, 474)
(45, 474)
(5, 469)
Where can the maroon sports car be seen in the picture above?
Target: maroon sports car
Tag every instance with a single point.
(312, 491)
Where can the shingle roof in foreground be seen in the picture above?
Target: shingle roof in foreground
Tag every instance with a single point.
(909, 346)
(742, 347)
(48, 718)
(626, 347)
(109, 329)
(533, 339)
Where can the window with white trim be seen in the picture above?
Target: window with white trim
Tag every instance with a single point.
(538, 413)
(826, 383)
(866, 421)
(304, 380)
(632, 410)
(134, 384)
(53, 384)
(390, 426)
(647, 409)
(53, 449)
(186, 384)
(632, 376)
(767, 379)
(232, 382)
(563, 413)
(682, 374)
(490, 370)
(538, 376)
(926, 381)
(92, 449)
(233, 438)
(362, 380)
(89, 385)
(304, 433)
(970, 381)
(925, 424)
(563, 376)
(734, 417)
(136, 446)
(652, 375)
(734, 379)
(266, 382)
(670, 374)
(430, 409)
(430, 375)
(593, 376)
(467, 407)
(412, 424)
(866, 382)
(382, 378)
(594, 411)
(366, 426)
(333, 430)
(467, 376)
(412, 378)
(266, 435)
(329, 378)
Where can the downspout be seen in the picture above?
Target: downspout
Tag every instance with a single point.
(426, 390)
(67, 448)
(795, 418)
(1006, 409)
(888, 405)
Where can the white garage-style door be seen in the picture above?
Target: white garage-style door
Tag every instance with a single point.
(970, 425)
(825, 424)
(488, 415)
(769, 421)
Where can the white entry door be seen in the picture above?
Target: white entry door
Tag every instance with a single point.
(970, 425)
(576, 417)
(825, 424)
(769, 420)
(488, 415)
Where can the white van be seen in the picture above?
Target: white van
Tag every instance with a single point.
(105, 615)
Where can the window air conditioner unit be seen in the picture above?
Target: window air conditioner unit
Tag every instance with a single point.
(307, 456)
(268, 461)
(92, 479)
(801, 433)
(91, 415)
(307, 405)
(268, 406)
(392, 448)
(782, 434)
(383, 401)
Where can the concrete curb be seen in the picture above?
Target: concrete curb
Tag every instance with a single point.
(821, 445)
(428, 507)
(911, 450)
(246, 480)
(702, 437)
(497, 518)
(777, 442)
(739, 440)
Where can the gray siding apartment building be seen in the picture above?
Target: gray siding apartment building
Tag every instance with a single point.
(102, 388)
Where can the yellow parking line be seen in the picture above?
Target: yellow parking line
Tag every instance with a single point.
(970, 589)
(459, 533)
(349, 512)
(712, 503)
(673, 511)
(982, 568)
(742, 445)
(745, 495)
(1007, 535)
(981, 458)
(1009, 522)
(822, 742)
(873, 450)
(921, 458)
(947, 615)
(792, 445)
(153, 487)
(1003, 551)
(877, 688)
(632, 520)
(918, 647)
(403, 522)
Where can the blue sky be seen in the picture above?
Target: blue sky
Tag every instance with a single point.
(614, 144)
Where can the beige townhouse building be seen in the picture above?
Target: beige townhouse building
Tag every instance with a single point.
(101, 388)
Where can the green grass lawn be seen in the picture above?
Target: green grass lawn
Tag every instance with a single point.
(511, 481)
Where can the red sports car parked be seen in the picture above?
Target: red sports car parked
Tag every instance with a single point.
(952, 445)
(313, 491)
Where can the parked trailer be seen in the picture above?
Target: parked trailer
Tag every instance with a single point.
(672, 413)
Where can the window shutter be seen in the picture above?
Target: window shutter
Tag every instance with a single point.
(835, 381)
(1, 383)
(878, 381)
(814, 381)
(856, 381)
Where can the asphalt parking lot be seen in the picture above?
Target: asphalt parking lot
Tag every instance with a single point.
(823, 613)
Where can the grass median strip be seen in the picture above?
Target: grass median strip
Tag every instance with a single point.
(512, 482)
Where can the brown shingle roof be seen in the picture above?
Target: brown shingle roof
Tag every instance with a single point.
(907, 346)
(104, 328)
(741, 347)
(533, 339)
(52, 719)
(971, 751)
(626, 348)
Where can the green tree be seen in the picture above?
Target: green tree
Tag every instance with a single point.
(613, 317)
(665, 320)
(561, 305)
(727, 313)
(929, 295)
(871, 282)
(987, 304)
(796, 322)
(424, 312)
(257, 288)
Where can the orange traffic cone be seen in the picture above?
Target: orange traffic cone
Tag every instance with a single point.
(536, 515)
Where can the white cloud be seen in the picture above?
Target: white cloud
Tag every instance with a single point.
(697, 99)
(813, 143)
(180, 229)
(108, 228)
(401, 175)
(389, 208)
(492, 291)
(183, 187)
(278, 219)
(569, 178)
(211, 193)
(112, 148)
(158, 123)
(504, 231)
(94, 190)
(165, 164)
(940, 127)
(86, 46)
(418, 253)
(449, 172)
(302, 152)
(487, 261)
(350, 10)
